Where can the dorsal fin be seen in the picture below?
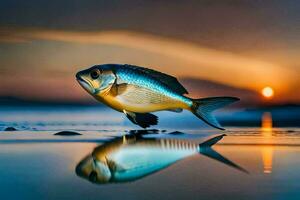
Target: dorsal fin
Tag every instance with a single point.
(168, 80)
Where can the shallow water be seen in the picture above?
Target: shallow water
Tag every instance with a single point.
(159, 164)
(41, 165)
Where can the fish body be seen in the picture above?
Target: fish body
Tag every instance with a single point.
(129, 158)
(138, 91)
(135, 91)
(146, 94)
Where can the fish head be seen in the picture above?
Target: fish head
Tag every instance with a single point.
(93, 170)
(97, 79)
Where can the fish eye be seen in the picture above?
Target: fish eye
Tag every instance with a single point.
(95, 73)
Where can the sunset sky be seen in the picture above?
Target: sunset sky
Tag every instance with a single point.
(244, 44)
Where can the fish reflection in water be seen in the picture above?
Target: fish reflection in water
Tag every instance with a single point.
(132, 157)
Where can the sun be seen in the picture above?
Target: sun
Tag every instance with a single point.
(267, 92)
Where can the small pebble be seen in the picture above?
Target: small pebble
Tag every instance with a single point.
(144, 131)
(290, 131)
(176, 133)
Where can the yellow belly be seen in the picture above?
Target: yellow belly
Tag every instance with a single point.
(120, 103)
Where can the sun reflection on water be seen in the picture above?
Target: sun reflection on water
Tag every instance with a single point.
(267, 151)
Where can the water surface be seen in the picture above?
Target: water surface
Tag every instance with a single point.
(165, 163)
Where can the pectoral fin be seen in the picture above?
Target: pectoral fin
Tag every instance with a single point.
(144, 120)
(121, 88)
(113, 166)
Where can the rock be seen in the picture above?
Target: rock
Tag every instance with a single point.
(10, 128)
(67, 133)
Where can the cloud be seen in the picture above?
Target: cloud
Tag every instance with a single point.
(218, 65)
(213, 64)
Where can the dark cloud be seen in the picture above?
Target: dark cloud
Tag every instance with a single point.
(213, 23)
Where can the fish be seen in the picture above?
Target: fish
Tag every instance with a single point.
(139, 91)
(132, 157)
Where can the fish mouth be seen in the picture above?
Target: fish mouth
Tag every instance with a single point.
(85, 84)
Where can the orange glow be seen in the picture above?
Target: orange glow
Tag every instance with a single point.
(267, 156)
(266, 124)
(267, 92)
(195, 61)
(267, 151)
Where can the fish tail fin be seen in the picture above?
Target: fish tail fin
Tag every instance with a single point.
(203, 108)
(206, 150)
